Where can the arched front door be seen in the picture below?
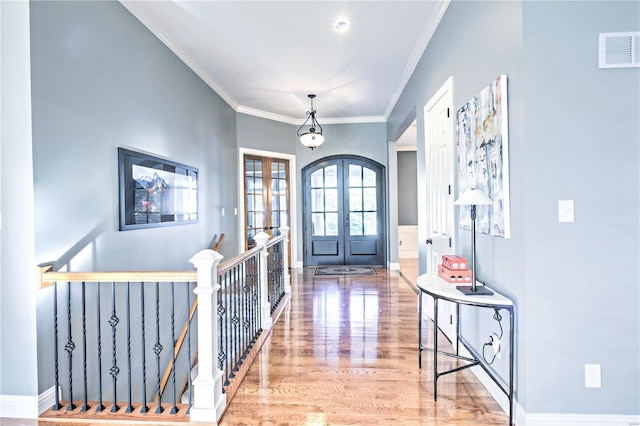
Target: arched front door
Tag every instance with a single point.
(344, 213)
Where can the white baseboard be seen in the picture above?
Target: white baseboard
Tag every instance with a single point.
(26, 407)
(538, 419)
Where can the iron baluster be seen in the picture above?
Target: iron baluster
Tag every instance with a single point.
(114, 371)
(143, 408)
(157, 348)
(128, 312)
(99, 407)
(56, 405)
(229, 330)
(85, 406)
(69, 347)
(189, 346)
(221, 331)
(236, 321)
(174, 409)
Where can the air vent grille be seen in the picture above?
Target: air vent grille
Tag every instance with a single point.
(619, 50)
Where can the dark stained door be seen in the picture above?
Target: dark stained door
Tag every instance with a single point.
(344, 212)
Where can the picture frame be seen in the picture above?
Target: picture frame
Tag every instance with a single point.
(482, 150)
(155, 192)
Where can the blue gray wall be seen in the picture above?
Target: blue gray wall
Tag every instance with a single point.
(578, 140)
(18, 348)
(408, 182)
(101, 80)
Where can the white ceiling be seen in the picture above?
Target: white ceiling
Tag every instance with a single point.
(264, 57)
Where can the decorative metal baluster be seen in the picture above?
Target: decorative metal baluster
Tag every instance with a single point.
(229, 319)
(144, 407)
(259, 298)
(85, 406)
(157, 348)
(174, 409)
(114, 371)
(222, 335)
(128, 302)
(236, 322)
(245, 313)
(188, 287)
(69, 347)
(241, 318)
(247, 301)
(100, 407)
(56, 405)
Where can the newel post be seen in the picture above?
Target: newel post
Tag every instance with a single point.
(285, 262)
(265, 307)
(208, 399)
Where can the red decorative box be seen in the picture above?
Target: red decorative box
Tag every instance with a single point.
(454, 276)
(451, 261)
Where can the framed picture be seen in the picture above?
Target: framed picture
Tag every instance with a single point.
(482, 151)
(155, 192)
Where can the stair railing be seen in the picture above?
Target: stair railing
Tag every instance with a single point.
(235, 304)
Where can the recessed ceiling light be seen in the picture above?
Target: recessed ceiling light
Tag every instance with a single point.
(342, 24)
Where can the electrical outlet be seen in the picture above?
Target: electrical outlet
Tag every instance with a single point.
(496, 345)
(592, 376)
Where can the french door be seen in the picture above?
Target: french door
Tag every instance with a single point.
(266, 196)
(344, 213)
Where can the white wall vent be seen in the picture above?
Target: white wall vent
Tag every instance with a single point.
(619, 50)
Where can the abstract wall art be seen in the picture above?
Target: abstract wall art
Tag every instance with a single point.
(483, 157)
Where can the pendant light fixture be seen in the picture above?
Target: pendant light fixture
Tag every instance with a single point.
(313, 137)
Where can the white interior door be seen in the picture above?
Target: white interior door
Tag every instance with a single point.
(440, 174)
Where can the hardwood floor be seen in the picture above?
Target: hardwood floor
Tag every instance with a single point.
(344, 352)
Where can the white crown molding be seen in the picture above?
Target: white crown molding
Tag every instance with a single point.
(418, 51)
(300, 121)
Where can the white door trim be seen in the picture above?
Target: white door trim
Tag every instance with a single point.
(293, 193)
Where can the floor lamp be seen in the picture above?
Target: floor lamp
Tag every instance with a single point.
(473, 197)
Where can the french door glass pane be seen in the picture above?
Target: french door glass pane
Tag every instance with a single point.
(317, 180)
(259, 203)
(283, 218)
(331, 224)
(250, 202)
(331, 176)
(259, 219)
(355, 223)
(331, 200)
(370, 223)
(355, 199)
(258, 186)
(258, 168)
(369, 177)
(275, 203)
(317, 224)
(369, 199)
(250, 220)
(355, 175)
(317, 200)
(275, 220)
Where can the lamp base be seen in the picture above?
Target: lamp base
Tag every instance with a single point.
(467, 290)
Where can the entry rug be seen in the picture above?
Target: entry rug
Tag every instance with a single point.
(345, 270)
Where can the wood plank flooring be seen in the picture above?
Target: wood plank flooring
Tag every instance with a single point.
(344, 352)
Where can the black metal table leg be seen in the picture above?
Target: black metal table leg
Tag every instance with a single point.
(435, 349)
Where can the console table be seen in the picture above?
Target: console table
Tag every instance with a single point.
(438, 288)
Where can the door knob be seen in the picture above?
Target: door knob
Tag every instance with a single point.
(429, 241)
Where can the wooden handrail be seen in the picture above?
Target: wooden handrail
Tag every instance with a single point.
(47, 277)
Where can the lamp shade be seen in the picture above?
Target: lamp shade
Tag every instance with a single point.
(312, 139)
(473, 197)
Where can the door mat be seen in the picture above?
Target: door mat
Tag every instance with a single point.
(345, 270)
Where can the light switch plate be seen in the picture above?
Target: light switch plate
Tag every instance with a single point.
(592, 376)
(565, 211)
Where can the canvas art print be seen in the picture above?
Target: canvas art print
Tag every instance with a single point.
(482, 157)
